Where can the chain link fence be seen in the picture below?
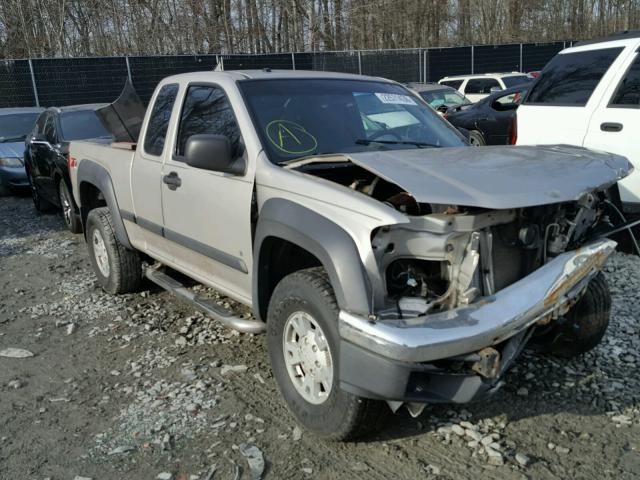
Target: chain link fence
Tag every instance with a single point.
(68, 81)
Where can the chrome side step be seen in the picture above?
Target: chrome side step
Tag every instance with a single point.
(207, 306)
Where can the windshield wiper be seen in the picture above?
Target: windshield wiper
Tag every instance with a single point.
(366, 141)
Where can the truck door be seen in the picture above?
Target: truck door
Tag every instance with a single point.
(207, 214)
(146, 173)
(615, 124)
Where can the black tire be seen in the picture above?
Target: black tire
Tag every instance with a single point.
(4, 191)
(476, 139)
(124, 266)
(41, 205)
(342, 416)
(584, 325)
(70, 216)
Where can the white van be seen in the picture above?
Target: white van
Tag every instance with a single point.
(589, 95)
(476, 87)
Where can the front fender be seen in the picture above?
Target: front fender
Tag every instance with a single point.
(326, 240)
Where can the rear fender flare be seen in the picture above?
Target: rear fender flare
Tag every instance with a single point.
(98, 176)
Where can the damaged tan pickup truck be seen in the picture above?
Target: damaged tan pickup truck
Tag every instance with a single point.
(388, 263)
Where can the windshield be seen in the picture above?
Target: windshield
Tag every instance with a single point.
(444, 97)
(301, 117)
(16, 127)
(82, 125)
(516, 80)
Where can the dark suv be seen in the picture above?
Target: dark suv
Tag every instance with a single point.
(46, 156)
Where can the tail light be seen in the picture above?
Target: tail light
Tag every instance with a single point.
(513, 133)
(71, 162)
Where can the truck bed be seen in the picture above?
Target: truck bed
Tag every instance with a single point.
(116, 158)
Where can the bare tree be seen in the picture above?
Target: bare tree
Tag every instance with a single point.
(32, 28)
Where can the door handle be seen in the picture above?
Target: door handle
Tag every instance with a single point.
(172, 180)
(611, 127)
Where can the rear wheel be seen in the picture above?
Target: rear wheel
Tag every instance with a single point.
(303, 342)
(583, 326)
(118, 269)
(39, 203)
(69, 210)
(476, 139)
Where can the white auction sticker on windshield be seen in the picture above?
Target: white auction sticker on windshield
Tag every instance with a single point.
(395, 98)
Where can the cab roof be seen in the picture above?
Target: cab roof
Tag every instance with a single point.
(267, 73)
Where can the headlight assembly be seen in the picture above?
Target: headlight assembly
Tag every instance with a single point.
(10, 162)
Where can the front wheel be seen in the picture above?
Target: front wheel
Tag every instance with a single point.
(118, 269)
(304, 347)
(583, 326)
(69, 210)
(476, 139)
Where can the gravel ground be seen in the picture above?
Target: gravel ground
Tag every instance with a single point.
(143, 387)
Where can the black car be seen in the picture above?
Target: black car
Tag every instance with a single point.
(491, 121)
(46, 156)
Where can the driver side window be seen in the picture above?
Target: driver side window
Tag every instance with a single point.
(206, 109)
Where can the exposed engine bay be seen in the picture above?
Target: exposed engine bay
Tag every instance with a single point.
(447, 256)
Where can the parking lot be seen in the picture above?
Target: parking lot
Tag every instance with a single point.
(138, 385)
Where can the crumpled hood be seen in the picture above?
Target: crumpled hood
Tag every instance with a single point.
(12, 149)
(496, 177)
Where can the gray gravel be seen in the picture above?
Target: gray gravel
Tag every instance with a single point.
(141, 386)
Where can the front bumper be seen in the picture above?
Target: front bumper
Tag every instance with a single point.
(405, 345)
(13, 177)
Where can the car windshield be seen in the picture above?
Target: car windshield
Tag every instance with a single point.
(302, 117)
(82, 125)
(444, 97)
(16, 126)
(516, 80)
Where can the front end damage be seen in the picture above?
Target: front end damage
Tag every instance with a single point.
(460, 289)
(459, 354)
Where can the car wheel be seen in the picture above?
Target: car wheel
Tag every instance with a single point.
(39, 203)
(476, 139)
(68, 208)
(4, 191)
(119, 270)
(583, 326)
(304, 347)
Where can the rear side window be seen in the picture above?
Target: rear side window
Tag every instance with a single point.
(207, 110)
(452, 83)
(481, 85)
(628, 92)
(156, 133)
(570, 78)
(82, 125)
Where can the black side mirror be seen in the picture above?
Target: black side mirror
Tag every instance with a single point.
(212, 152)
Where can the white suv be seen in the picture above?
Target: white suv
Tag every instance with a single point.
(589, 95)
(477, 87)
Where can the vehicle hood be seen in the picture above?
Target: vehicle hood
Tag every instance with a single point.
(12, 149)
(496, 177)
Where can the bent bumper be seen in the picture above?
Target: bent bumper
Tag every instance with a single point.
(544, 293)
